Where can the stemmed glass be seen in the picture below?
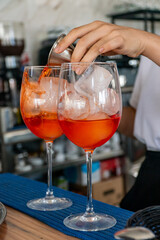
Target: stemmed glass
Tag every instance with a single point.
(38, 102)
(89, 112)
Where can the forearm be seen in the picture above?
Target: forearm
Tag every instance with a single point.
(108, 39)
(152, 48)
(126, 126)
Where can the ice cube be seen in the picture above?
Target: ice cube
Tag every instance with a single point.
(73, 106)
(31, 99)
(93, 105)
(92, 82)
(49, 86)
(98, 116)
(110, 101)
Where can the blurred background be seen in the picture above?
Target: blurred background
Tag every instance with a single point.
(28, 29)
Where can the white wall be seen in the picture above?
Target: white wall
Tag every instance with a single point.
(41, 15)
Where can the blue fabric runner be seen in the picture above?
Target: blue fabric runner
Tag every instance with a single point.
(16, 191)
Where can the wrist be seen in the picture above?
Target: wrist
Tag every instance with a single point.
(151, 46)
(144, 42)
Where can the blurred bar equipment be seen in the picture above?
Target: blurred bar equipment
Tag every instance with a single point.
(11, 38)
(11, 47)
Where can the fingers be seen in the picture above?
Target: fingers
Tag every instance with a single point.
(76, 33)
(95, 38)
(93, 52)
(89, 43)
(110, 53)
(114, 45)
(104, 45)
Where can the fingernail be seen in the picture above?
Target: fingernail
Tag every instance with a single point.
(78, 70)
(101, 50)
(57, 49)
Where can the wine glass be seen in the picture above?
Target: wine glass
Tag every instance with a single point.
(38, 102)
(89, 112)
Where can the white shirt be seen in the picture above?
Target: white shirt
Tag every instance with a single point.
(146, 100)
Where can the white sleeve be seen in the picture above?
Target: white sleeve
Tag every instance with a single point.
(137, 86)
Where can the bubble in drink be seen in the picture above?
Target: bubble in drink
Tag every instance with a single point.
(95, 81)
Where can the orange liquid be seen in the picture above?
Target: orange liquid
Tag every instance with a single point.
(45, 73)
(89, 134)
(45, 126)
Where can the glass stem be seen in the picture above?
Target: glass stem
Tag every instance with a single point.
(49, 149)
(89, 208)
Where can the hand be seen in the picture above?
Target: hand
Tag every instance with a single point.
(104, 38)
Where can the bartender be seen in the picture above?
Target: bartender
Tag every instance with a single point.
(142, 118)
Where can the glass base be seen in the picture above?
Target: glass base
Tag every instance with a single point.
(49, 203)
(89, 222)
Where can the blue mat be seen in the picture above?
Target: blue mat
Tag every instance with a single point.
(16, 191)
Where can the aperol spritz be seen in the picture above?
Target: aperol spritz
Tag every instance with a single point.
(39, 92)
(89, 112)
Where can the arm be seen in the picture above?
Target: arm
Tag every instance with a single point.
(109, 39)
(126, 126)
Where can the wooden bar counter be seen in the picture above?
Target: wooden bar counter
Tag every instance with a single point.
(19, 226)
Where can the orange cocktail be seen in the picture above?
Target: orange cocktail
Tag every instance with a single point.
(44, 125)
(39, 113)
(90, 134)
(39, 92)
(89, 112)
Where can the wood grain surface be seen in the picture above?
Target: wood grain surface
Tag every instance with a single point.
(19, 226)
